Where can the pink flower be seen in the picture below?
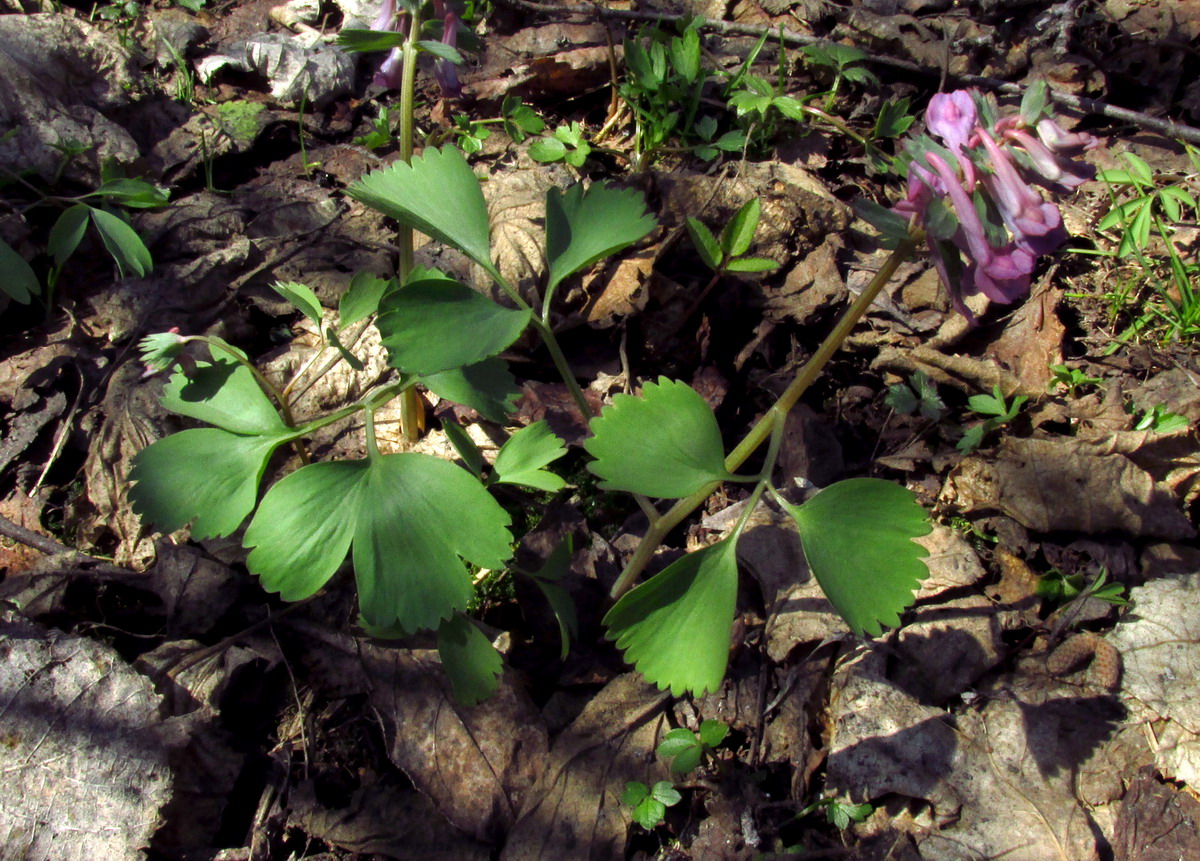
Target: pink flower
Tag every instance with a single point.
(985, 224)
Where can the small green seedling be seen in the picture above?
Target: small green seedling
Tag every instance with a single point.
(686, 749)
(919, 395)
(1058, 588)
(650, 804)
(999, 412)
(894, 119)
(381, 133)
(837, 813)
(1070, 379)
(846, 63)
(566, 145)
(471, 135)
(1160, 420)
(728, 253)
(520, 120)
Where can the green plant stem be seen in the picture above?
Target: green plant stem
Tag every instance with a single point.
(410, 407)
(764, 476)
(766, 425)
(564, 369)
(542, 325)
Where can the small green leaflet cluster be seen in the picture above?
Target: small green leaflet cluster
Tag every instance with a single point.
(675, 627)
(728, 253)
(919, 395)
(999, 412)
(685, 748)
(388, 513)
(567, 144)
(650, 803)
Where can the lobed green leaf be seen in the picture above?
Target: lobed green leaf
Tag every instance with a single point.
(858, 536)
(487, 387)
(585, 226)
(470, 661)
(436, 324)
(437, 194)
(393, 512)
(206, 476)
(675, 628)
(665, 443)
(523, 455)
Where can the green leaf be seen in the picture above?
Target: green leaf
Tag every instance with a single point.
(858, 536)
(675, 628)
(436, 324)
(988, 405)
(585, 226)
(889, 223)
(705, 243)
(739, 232)
(523, 455)
(1116, 176)
(685, 55)
(486, 387)
(901, 398)
(334, 341)
(557, 564)
(302, 298)
(123, 243)
(576, 157)
(860, 75)
(547, 150)
(361, 298)
(17, 278)
(665, 443)
(67, 233)
(207, 476)
(441, 50)
(1170, 206)
(437, 194)
(791, 108)
(713, 732)
(355, 41)
(1034, 101)
(894, 118)
(683, 749)
(676, 741)
(635, 792)
(471, 662)
(471, 456)
(224, 393)
(1141, 170)
(733, 141)
(666, 792)
(649, 813)
(394, 512)
(132, 193)
(751, 264)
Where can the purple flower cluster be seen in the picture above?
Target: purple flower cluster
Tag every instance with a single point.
(390, 73)
(974, 196)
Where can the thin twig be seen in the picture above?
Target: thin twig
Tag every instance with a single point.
(1164, 127)
(46, 544)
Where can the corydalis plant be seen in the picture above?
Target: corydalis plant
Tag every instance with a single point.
(391, 73)
(973, 193)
